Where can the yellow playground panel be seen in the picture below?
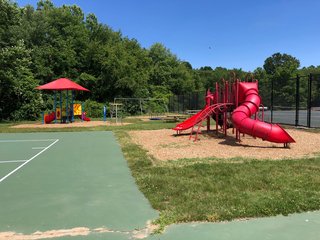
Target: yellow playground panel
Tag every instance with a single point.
(58, 113)
(77, 109)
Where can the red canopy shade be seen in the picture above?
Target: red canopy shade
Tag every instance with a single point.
(62, 84)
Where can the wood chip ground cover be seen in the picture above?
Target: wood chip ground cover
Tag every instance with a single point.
(164, 145)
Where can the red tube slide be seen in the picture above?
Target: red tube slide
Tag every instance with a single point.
(250, 102)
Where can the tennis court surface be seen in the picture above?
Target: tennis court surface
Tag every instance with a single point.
(78, 186)
(72, 183)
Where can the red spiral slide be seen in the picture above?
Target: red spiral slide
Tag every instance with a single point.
(249, 101)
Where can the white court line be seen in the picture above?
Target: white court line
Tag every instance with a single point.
(29, 160)
(38, 147)
(13, 161)
(27, 140)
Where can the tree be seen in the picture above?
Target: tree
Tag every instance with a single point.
(206, 75)
(283, 64)
(168, 70)
(280, 69)
(19, 99)
(264, 85)
(58, 37)
(9, 18)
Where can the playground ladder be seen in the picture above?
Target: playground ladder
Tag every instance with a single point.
(216, 108)
(200, 119)
(198, 131)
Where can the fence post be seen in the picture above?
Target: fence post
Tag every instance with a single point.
(297, 99)
(271, 101)
(309, 102)
(104, 113)
(182, 103)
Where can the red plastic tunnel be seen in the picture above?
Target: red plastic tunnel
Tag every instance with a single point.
(250, 102)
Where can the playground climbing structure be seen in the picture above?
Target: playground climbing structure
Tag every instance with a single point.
(236, 105)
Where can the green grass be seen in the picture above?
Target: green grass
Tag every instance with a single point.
(214, 189)
(135, 124)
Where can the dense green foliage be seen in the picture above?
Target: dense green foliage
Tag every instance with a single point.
(51, 42)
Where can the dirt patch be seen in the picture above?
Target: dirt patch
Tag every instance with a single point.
(68, 125)
(80, 231)
(164, 145)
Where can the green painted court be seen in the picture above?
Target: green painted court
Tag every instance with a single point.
(52, 181)
(78, 186)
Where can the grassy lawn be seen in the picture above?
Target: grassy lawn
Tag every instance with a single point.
(135, 124)
(212, 189)
(216, 190)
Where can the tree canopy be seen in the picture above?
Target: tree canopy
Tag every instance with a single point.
(38, 45)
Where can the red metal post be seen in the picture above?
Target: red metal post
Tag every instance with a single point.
(225, 108)
(208, 103)
(217, 101)
(237, 104)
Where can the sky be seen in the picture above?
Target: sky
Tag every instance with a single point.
(215, 33)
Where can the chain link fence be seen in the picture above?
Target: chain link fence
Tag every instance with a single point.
(190, 101)
(297, 102)
(292, 101)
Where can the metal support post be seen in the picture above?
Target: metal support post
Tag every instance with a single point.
(60, 106)
(67, 107)
(104, 113)
(208, 103)
(82, 112)
(55, 106)
(72, 108)
(309, 101)
(116, 113)
(297, 99)
(271, 100)
(217, 113)
(140, 106)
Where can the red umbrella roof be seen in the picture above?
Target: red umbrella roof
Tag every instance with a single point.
(62, 84)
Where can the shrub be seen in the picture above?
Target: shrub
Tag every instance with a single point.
(93, 109)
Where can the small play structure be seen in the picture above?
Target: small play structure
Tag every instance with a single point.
(71, 109)
(236, 105)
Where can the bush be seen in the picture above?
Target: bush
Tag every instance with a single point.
(93, 109)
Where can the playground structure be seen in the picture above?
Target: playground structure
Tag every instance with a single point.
(64, 114)
(75, 110)
(236, 105)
